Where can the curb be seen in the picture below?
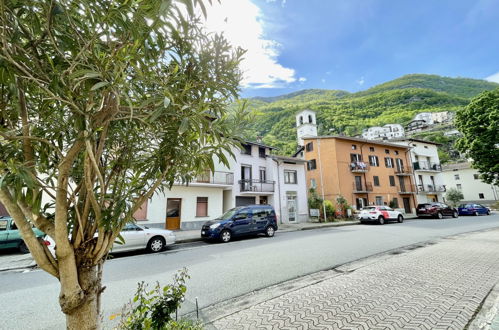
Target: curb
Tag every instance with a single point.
(488, 314)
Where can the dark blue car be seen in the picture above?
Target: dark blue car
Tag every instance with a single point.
(473, 209)
(241, 221)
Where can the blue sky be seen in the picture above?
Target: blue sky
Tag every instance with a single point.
(355, 44)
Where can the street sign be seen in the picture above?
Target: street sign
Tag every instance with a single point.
(314, 212)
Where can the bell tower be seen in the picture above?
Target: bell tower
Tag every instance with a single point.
(306, 125)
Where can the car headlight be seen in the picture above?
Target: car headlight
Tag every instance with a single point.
(215, 225)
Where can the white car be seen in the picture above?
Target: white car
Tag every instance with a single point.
(379, 214)
(137, 238)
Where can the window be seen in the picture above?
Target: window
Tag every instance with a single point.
(388, 162)
(458, 186)
(476, 176)
(246, 150)
(289, 176)
(376, 180)
(309, 146)
(301, 120)
(392, 180)
(310, 119)
(379, 200)
(313, 183)
(202, 207)
(3, 224)
(456, 176)
(396, 152)
(373, 161)
(387, 151)
(263, 174)
(355, 158)
(311, 165)
(261, 152)
(354, 147)
(371, 149)
(481, 196)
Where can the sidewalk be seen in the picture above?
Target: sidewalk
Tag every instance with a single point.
(436, 286)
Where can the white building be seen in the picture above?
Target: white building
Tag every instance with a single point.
(389, 131)
(442, 116)
(306, 125)
(253, 177)
(426, 116)
(466, 179)
(427, 169)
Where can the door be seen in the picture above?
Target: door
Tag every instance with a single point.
(246, 178)
(260, 217)
(245, 200)
(173, 206)
(134, 238)
(407, 204)
(402, 183)
(400, 165)
(358, 183)
(242, 223)
(4, 233)
(291, 206)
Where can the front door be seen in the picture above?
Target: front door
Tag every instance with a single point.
(358, 183)
(407, 204)
(173, 213)
(291, 204)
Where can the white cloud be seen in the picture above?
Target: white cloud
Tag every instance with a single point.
(323, 80)
(302, 79)
(493, 78)
(361, 81)
(241, 21)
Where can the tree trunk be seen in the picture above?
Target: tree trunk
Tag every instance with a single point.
(86, 315)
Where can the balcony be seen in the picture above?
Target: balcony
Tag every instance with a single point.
(217, 177)
(427, 166)
(362, 188)
(431, 189)
(403, 171)
(256, 185)
(358, 167)
(406, 189)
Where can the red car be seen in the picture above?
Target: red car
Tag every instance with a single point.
(436, 210)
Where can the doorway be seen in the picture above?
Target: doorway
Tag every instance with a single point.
(407, 204)
(173, 207)
(291, 206)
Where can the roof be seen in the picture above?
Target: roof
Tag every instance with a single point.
(456, 166)
(416, 140)
(290, 159)
(357, 140)
(259, 144)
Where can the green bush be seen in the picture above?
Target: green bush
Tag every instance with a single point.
(154, 309)
(330, 210)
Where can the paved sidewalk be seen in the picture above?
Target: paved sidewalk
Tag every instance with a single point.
(437, 286)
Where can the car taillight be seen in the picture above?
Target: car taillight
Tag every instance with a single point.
(45, 242)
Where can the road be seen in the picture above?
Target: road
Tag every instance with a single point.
(222, 271)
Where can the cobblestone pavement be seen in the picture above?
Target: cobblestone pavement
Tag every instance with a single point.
(439, 286)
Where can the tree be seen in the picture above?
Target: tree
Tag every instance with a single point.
(479, 124)
(103, 102)
(454, 196)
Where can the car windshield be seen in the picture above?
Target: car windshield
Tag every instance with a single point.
(369, 208)
(229, 214)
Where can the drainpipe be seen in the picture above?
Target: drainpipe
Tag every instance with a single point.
(279, 191)
(322, 184)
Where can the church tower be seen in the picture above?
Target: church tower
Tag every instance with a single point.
(306, 125)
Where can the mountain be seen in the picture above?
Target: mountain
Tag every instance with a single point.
(396, 101)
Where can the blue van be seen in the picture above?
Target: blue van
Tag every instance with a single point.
(241, 221)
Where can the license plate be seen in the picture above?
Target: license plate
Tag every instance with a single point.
(422, 209)
(203, 232)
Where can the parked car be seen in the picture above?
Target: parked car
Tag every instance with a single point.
(136, 237)
(379, 214)
(473, 209)
(10, 237)
(436, 210)
(241, 221)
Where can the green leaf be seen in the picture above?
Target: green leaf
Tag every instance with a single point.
(183, 125)
(99, 85)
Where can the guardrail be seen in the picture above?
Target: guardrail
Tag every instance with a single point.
(257, 185)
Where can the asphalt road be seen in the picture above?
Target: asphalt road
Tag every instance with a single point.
(29, 300)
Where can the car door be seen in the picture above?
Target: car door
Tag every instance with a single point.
(134, 238)
(481, 209)
(260, 219)
(391, 212)
(4, 233)
(242, 222)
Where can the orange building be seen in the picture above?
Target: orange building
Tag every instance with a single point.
(365, 172)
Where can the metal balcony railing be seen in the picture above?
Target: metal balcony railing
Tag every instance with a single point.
(358, 167)
(217, 177)
(257, 185)
(430, 188)
(361, 188)
(406, 189)
(427, 166)
(403, 170)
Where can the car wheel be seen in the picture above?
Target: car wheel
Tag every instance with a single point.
(488, 212)
(455, 214)
(270, 231)
(381, 220)
(156, 244)
(400, 218)
(23, 248)
(225, 236)
(440, 215)
(475, 214)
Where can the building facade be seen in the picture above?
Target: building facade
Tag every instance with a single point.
(466, 179)
(389, 131)
(430, 186)
(306, 125)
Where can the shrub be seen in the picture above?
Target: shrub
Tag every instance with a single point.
(330, 210)
(454, 196)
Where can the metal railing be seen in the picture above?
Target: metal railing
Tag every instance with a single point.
(406, 189)
(362, 187)
(217, 177)
(426, 166)
(358, 167)
(403, 170)
(432, 188)
(257, 185)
